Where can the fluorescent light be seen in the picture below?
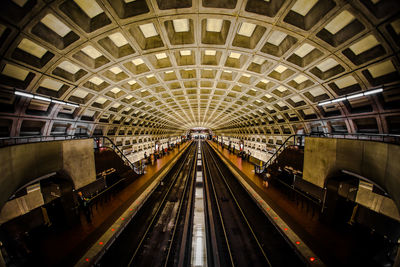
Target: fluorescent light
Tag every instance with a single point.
(324, 103)
(373, 91)
(58, 102)
(338, 99)
(73, 105)
(42, 98)
(355, 96)
(23, 94)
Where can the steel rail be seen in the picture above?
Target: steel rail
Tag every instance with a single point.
(188, 181)
(156, 215)
(209, 215)
(238, 206)
(207, 167)
(186, 229)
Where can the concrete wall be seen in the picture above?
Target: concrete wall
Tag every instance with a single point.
(319, 159)
(21, 205)
(376, 202)
(21, 164)
(78, 161)
(379, 162)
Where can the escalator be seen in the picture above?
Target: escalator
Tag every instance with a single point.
(106, 159)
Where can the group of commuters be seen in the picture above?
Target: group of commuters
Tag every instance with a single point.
(243, 154)
(157, 154)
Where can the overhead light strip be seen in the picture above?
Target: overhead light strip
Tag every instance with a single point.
(43, 98)
(371, 92)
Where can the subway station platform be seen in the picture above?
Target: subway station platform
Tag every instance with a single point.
(65, 247)
(334, 246)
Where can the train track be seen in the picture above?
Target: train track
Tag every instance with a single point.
(237, 231)
(160, 231)
(243, 235)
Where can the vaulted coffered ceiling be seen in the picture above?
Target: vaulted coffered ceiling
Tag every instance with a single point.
(219, 64)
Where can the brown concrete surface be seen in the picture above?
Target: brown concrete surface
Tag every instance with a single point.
(23, 163)
(336, 247)
(67, 246)
(78, 161)
(377, 161)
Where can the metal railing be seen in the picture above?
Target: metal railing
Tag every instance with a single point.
(385, 138)
(298, 140)
(18, 140)
(104, 141)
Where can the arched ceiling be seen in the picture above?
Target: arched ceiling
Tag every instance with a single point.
(218, 64)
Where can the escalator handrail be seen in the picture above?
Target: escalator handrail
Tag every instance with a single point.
(279, 150)
(118, 151)
(326, 135)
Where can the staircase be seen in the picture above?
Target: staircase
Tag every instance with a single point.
(106, 158)
(289, 162)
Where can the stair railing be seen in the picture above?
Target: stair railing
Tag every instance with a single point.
(104, 141)
(386, 138)
(285, 144)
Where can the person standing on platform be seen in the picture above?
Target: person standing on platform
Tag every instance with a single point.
(84, 203)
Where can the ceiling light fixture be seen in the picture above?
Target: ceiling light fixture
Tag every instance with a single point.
(43, 98)
(58, 102)
(38, 97)
(371, 92)
(72, 105)
(355, 96)
(338, 99)
(23, 94)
